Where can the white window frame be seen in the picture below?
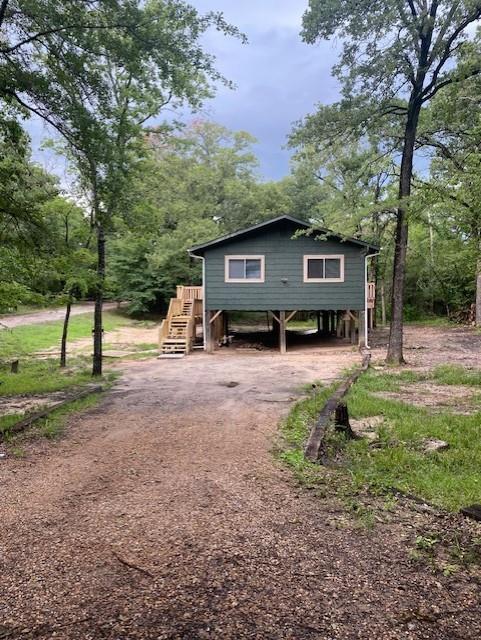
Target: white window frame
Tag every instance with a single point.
(244, 280)
(324, 256)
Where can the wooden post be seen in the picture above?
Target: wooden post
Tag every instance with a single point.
(339, 324)
(353, 332)
(275, 326)
(346, 325)
(325, 322)
(225, 316)
(282, 332)
(318, 316)
(209, 335)
(362, 323)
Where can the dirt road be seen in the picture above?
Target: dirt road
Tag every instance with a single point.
(162, 514)
(47, 315)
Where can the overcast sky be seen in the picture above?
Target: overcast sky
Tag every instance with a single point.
(278, 77)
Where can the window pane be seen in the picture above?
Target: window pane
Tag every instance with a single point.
(236, 269)
(253, 269)
(333, 268)
(315, 268)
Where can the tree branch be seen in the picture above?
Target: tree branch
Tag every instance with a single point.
(447, 49)
(448, 194)
(47, 32)
(45, 117)
(414, 13)
(452, 80)
(3, 9)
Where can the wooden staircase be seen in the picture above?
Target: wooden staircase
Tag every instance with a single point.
(177, 331)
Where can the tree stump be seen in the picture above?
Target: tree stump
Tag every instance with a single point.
(341, 421)
(14, 366)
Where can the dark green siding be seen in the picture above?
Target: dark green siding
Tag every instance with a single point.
(284, 259)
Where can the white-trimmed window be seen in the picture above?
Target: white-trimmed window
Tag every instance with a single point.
(324, 268)
(244, 268)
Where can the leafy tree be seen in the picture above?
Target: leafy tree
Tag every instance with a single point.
(396, 57)
(24, 187)
(453, 192)
(71, 260)
(349, 189)
(24, 190)
(96, 72)
(193, 185)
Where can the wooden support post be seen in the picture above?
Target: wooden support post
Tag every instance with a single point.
(353, 331)
(339, 323)
(275, 324)
(318, 317)
(346, 325)
(362, 336)
(209, 332)
(282, 332)
(325, 322)
(333, 322)
(226, 324)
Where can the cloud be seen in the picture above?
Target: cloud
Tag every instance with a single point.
(278, 78)
(257, 14)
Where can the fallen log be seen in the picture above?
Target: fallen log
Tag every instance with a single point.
(314, 444)
(43, 413)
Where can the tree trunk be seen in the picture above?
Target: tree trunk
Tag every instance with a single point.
(478, 293)
(431, 263)
(477, 308)
(99, 294)
(383, 305)
(395, 350)
(63, 345)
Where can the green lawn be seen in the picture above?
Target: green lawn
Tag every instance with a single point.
(40, 376)
(43, 376)
(30, 338)
(49, 427)
(449, 479)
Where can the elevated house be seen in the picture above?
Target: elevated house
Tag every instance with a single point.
(271, 267)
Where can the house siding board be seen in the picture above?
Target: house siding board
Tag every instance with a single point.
(284, 259)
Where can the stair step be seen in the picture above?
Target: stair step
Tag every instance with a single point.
(166, 356)
(177, 342)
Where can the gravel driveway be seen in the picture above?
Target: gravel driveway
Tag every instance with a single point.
(47, 315)
(162, 514)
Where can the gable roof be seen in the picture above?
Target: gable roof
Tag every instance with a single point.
(199, 249)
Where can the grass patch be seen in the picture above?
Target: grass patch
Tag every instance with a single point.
(28, 339)
(446, 374)
(50, 427)
(8, 421)
(456, 374)
(295, 430)
(449, 479)
(43, 376)
(431, 321)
